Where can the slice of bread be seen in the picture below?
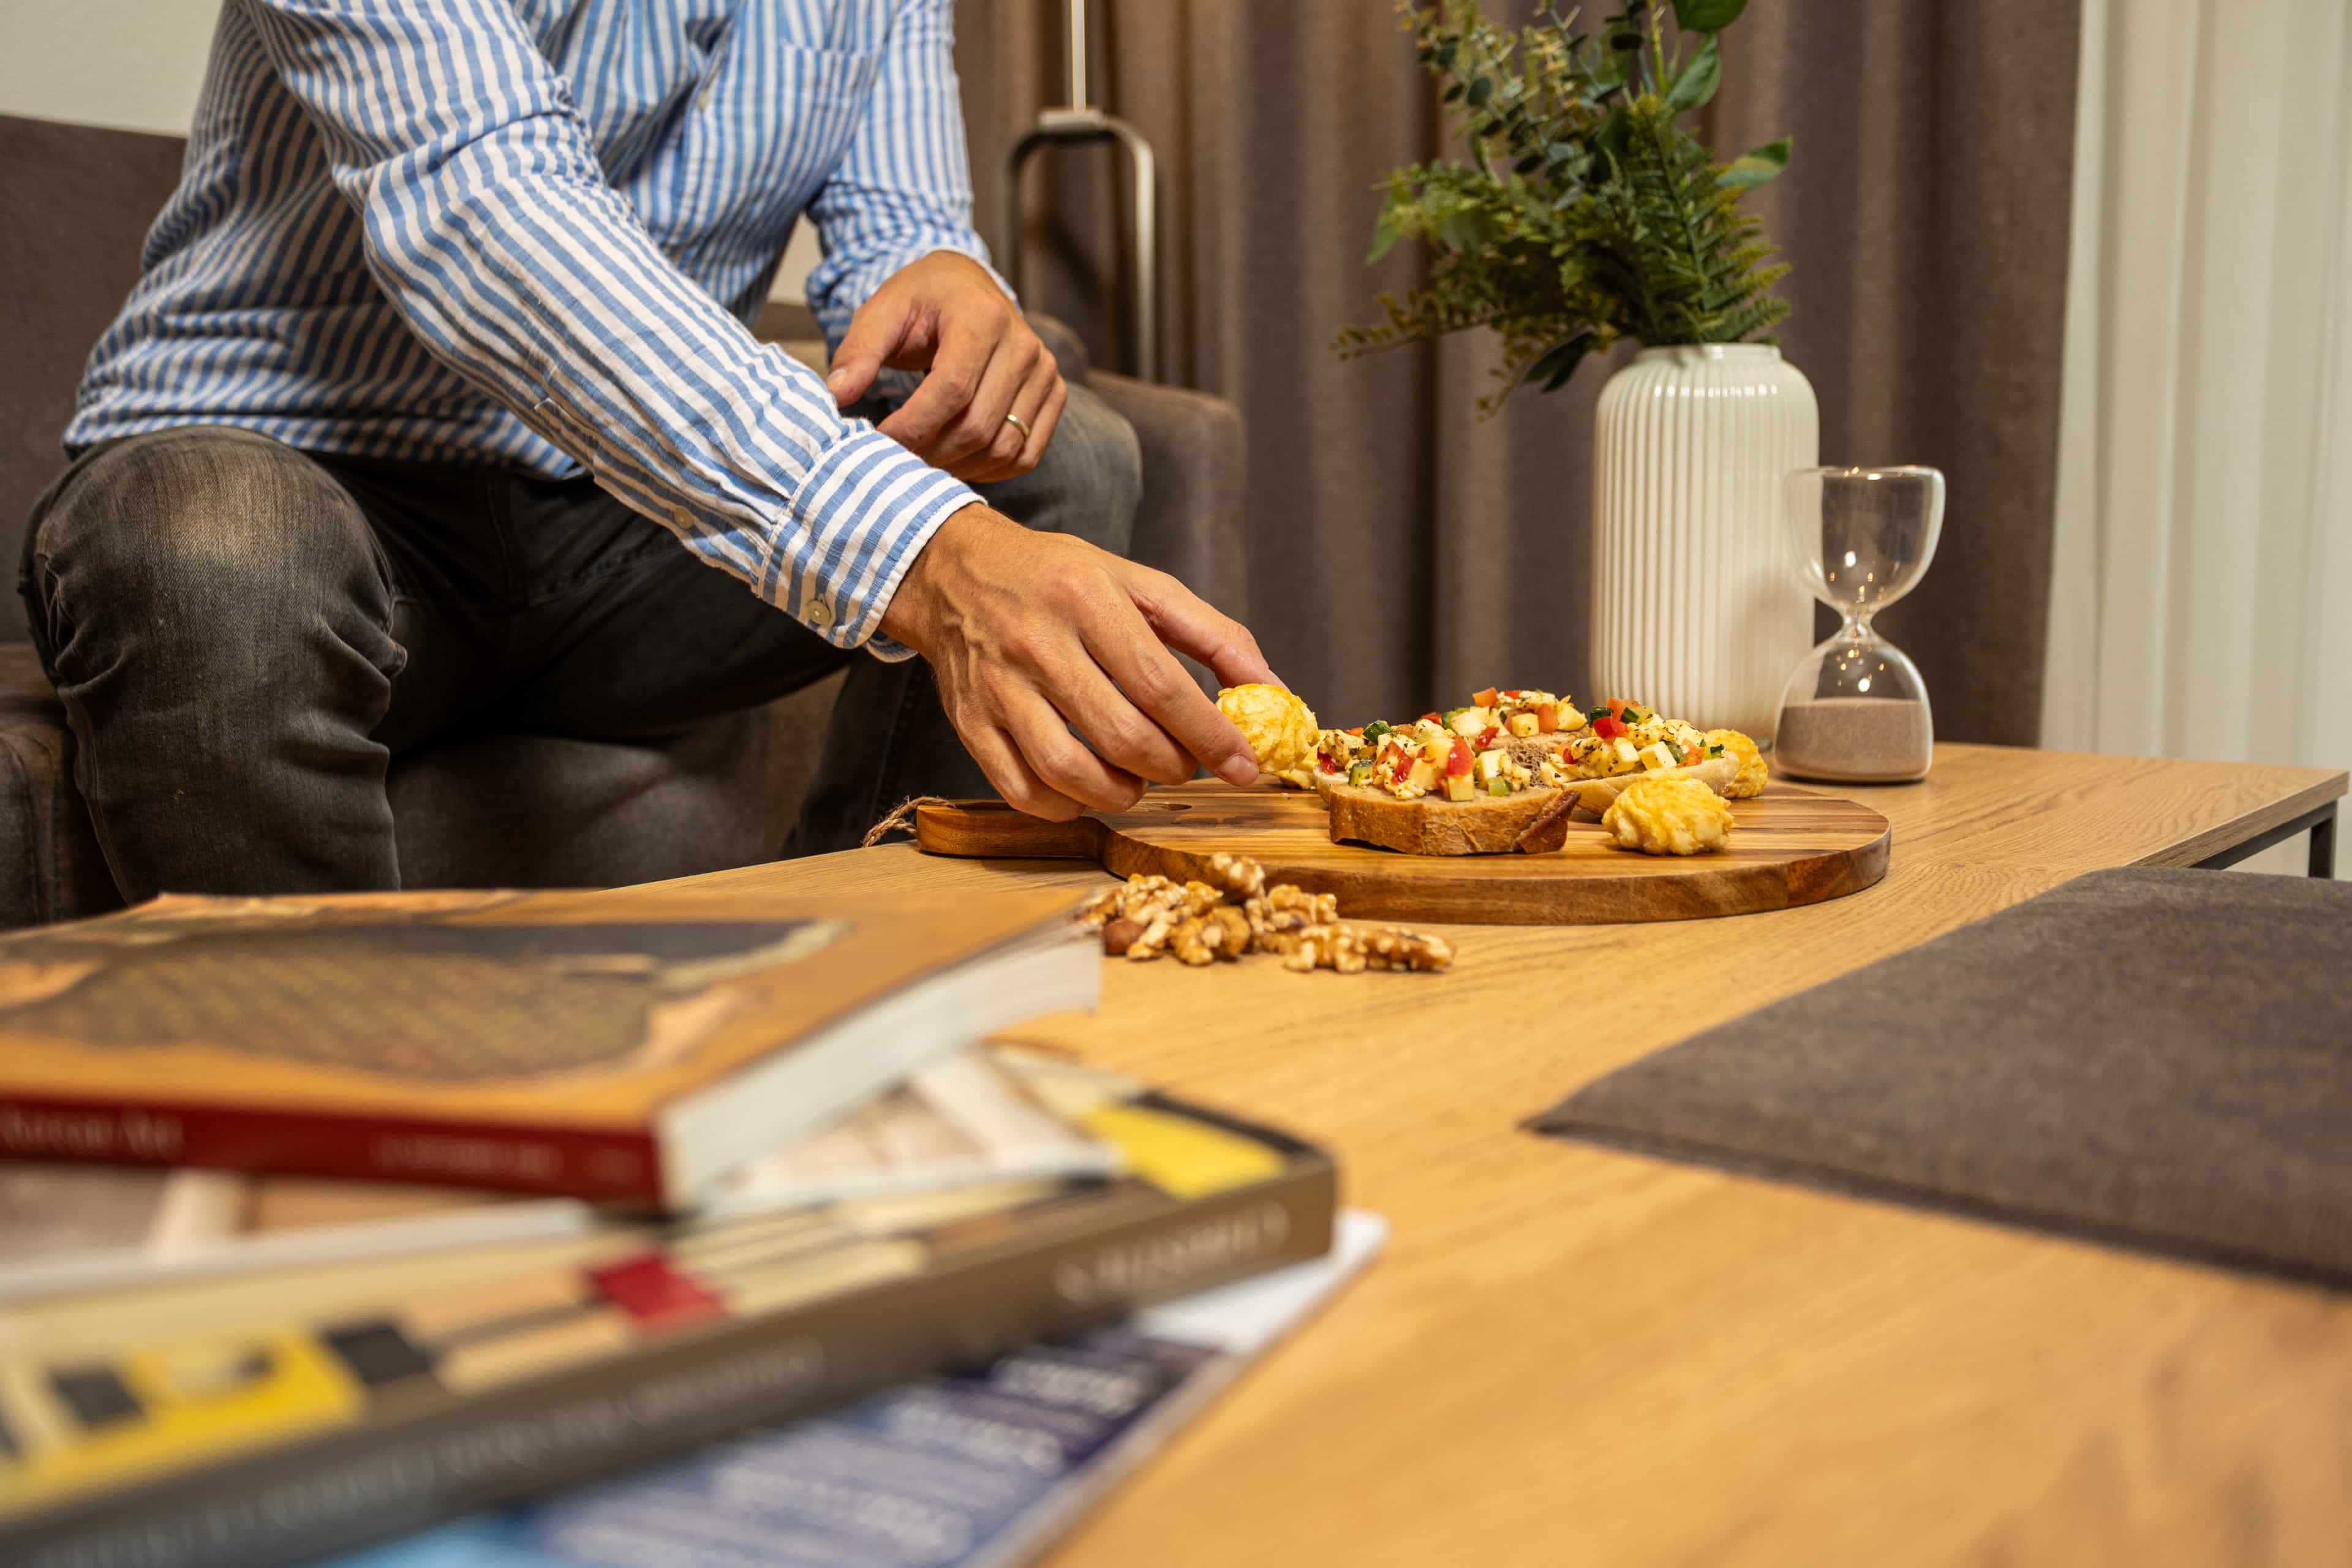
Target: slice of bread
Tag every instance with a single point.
(1487, 825)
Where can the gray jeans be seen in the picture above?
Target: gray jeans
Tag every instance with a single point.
(245, 634)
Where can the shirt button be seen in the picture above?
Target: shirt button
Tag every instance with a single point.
(683, 518)
(818, 615)
(702, 99)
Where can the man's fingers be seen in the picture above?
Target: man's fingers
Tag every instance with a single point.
(1042, 423)
(1020, 453)
(1022, 790)
(1152, 679)
(874, 334)
(1116, 724)
(979, 432)
(1188, 625)
(956, 371)
(1066, 766)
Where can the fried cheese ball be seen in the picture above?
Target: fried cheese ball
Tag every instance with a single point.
(1740, 749)
(1280, 729)
(1669, 816)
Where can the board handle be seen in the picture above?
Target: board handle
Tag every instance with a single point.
(990, 829)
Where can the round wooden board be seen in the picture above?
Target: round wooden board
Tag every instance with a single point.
(1791, 848)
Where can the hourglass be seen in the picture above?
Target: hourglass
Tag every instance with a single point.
(1855, 710)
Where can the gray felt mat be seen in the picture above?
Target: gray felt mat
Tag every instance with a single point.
(2158, 1059)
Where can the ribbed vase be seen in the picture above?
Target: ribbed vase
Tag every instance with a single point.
(1696, 609)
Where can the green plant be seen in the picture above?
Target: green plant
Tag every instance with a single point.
(1587, 212)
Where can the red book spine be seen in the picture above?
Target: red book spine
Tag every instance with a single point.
(599, 1164)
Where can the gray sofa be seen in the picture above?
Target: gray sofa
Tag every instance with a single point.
(515, 810)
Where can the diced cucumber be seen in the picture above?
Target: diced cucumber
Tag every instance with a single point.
(1498, 786)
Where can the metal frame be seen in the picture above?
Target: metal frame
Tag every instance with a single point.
(1079, 120)
(2320, 823)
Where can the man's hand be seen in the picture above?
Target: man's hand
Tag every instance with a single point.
(1034, 634)
(944, 314)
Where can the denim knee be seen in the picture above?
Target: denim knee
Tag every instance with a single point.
(206, 538)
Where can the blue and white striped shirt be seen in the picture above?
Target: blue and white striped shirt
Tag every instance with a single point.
(530, 233)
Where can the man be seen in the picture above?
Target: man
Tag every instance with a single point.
(435, 410)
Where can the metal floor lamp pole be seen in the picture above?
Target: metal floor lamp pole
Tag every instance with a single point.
(1079, 120)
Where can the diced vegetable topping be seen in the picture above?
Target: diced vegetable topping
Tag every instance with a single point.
(1486, 699)
(1457, 761)
(1607, 726)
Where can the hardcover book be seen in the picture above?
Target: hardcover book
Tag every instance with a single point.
(989, 1113)
(625, 1046)
(262, 1419)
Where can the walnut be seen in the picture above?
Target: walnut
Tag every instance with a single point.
(1236, 937)
(1285, 908)
(1328, 946)
(1199, 898)
(1393, 947)
(1669, 816)
(1099, 910)
(1237, 875)
(1190, 941)
(1152, 941)
(1741, 749)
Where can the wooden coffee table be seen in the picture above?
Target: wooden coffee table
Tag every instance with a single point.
(1573, 1356)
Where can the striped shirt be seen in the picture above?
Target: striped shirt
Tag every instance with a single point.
(530, 233)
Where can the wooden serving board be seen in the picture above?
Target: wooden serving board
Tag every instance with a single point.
(1791, 848)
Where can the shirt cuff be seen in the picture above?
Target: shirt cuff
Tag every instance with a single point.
(867, 506)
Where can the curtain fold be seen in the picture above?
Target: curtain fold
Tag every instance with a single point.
(1400, 550)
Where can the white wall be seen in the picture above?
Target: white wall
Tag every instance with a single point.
(133, 64)
(137, 65)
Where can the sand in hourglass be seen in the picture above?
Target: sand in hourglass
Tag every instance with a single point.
(1855, 740)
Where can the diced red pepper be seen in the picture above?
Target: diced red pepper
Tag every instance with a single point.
(1396, 759)
(1608, 727)
(1693, 753)
(1358, 732)
(1458, 761)
(1430, 719)
(1487, 736)
(1324, 759)
(1485, 698)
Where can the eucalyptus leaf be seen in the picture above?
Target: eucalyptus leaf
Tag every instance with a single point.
(1699, 80)
(1752, 169)
(1481, 90)
(1707, 15)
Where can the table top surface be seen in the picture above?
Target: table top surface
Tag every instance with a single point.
(1572, 1356)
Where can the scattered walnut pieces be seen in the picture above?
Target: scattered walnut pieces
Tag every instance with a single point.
(1145, 917)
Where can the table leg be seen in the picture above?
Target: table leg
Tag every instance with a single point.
(2320, 823)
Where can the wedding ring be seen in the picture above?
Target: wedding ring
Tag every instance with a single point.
(1019, 424)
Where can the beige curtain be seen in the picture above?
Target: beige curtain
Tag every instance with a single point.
(1402, 552)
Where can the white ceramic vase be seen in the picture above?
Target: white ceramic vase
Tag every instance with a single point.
(1694, 607)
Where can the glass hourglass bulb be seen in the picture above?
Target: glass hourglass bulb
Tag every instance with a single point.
(1855, 709)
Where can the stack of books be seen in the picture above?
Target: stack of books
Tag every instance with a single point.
(542, 1229)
